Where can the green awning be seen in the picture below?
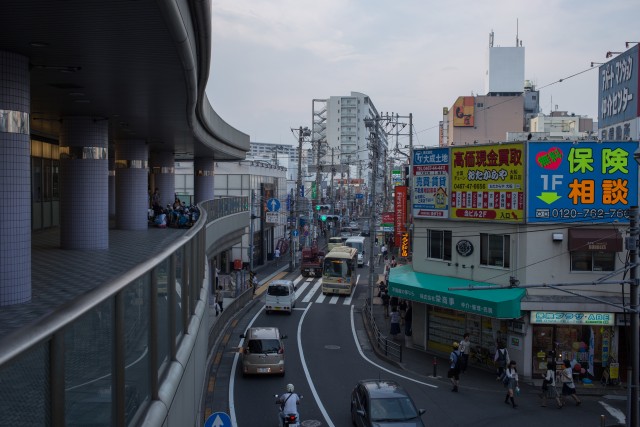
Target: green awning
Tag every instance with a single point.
(434, 290)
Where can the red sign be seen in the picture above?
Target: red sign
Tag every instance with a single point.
(388, 217)
(400, 217)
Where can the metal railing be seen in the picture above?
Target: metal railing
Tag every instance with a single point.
(102, 358)
(389, 348)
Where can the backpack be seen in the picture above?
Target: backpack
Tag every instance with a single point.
(457, 364)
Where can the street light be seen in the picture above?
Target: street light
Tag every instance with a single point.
(302, 132)
(372, 126)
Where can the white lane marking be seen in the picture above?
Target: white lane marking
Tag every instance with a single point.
(349, 298)
(615, 413)
(295, 282)
(320, 298)
(313, 290)
(306, 371)
(301, 289)
(355, 339)
(232, 377)
(334, 299)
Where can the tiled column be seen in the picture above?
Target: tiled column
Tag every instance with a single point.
(112, 183)
(203, 178)
(84, 178)
(132, 188)
(15, 182)
(163, 170)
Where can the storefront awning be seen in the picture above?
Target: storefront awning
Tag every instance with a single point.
(591, 239)
(431, 289)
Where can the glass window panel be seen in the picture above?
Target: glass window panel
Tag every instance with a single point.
(24, 386)
(55, 179)
(164, 333)
(235, 182)
(177, 295)
(447, 245)
(136, 344)
(88, 367)
(36, 179)
(604, 261)
(46, 150)
(47, 184)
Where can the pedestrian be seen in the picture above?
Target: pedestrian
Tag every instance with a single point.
(501, 359)
(511, 382)
(277, 255)
(549, 385)
(395, 323)
(216, 298)
(408, 319)
(382, 287)
(254, 282)
(454, 367)
(383, 251)
(465, 349)
(402, 307)
(568, 386)
(394, 301)
(393, 262)
(220, 299)
(385, 303)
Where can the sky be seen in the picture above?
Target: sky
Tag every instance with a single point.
(271, 59)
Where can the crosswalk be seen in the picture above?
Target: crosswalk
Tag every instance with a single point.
(310, 290)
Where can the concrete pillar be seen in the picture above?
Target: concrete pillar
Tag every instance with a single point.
(15, 182)
(132, 188)
(84, 172)
(203, 168)
(163, 170)
(112, 183)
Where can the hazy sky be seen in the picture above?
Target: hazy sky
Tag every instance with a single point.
(272, 58)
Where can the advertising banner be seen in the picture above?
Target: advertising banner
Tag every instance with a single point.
(487, 182)
(463, 111)
(581, 181)
(618, 88)
(431, 183)
(400, 223)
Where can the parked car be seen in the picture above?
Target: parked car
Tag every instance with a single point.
(383, 403)
(263, 351)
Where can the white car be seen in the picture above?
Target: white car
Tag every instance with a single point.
(353, 224)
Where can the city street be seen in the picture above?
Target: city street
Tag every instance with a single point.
(327, 351)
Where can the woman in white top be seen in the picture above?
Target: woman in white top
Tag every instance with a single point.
(549, 385)
(568, 386)
(512, 385)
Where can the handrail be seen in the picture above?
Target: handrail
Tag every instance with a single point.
(389, 347)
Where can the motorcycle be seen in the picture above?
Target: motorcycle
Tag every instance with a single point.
(290, 420)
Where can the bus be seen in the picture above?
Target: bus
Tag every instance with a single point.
(358, 243)
(339, 271)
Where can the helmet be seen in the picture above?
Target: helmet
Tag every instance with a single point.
(455, 344)
(290, 388)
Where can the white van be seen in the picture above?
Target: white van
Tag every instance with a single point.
(358, 243)
(281, 296)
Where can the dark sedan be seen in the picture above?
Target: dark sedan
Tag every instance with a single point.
(380, 403)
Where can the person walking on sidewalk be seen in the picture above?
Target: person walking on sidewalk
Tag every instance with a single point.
(511, 378)
(549, 386)
(385, 303)
(568, 386)
(276, 255)
(501, 359)
(220, 300)
(455, 358)
(395, 323)
(465, 349)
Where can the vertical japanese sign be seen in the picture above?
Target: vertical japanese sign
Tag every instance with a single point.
(618, 88)
(584, 181)
(400, 213)
(487, 182)
(431, 183)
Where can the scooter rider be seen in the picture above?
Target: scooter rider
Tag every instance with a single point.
(289, 402)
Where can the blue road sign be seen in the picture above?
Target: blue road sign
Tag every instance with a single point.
(218, 419)
(359, 196)
(295, 233)
(273, 205)
(288, 202)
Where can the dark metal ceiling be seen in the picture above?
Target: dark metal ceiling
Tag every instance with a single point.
(141, 64)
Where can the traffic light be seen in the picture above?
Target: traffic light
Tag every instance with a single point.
(323, 218)
(318, 207)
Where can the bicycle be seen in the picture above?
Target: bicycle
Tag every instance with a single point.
(606, 378)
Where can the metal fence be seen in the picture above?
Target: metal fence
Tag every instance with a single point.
(389, 348)
(101, 359)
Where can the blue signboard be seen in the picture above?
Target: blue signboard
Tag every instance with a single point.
(431, 183)
(584, 181)
(218, 419)
(618, 89)
(359, 196)
(273, 205)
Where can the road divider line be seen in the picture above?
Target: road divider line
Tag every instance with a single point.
(355, 339)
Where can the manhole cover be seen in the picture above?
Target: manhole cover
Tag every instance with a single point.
(332, 347)
(310, 423)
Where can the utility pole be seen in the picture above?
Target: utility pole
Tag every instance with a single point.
(302, 132)
(372, 125)
(634, 232)
(333, 176)
(292, 263)
(252, 216)
(318, 182)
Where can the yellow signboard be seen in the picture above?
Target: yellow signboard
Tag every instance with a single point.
(487, 182)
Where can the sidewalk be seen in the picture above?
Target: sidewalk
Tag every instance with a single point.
(419, 363)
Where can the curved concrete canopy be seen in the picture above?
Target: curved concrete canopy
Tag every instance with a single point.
(141, 64)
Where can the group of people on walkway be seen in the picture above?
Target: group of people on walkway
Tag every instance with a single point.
(176, 215)
(397, 310)
(507, 373)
